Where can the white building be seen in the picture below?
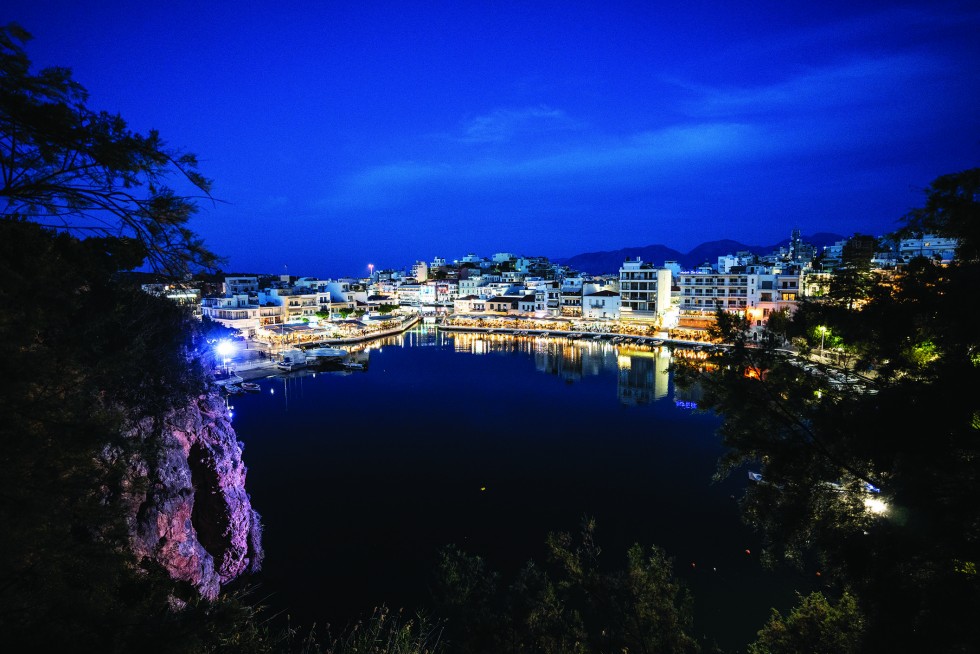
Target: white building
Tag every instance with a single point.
(240, 286)
(420, 271)
(601, 304)
(296, 303)
(235, 312)
(472, 285)
(571, 296)
(644, 291)
(409, 295)
(700, 292)
(552, 291)
(929, 246)
(470, 304)
(754, 291)
(440, 293)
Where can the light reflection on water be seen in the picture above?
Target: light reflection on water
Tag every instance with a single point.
(361, 476)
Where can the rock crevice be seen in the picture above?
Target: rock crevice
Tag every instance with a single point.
(195, 518)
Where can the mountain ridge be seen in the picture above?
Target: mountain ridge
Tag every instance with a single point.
(608, 261)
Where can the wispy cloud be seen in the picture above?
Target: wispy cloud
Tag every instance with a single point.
(807, 113)
(850, 84)
(603, 163)
(505, 124)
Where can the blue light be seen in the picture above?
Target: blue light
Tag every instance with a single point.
(224, 349)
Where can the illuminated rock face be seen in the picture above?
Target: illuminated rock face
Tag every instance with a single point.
(189, 509)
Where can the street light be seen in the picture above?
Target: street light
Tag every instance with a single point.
(225, 350)
(823, 332)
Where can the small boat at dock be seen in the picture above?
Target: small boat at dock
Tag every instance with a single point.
(326, 353)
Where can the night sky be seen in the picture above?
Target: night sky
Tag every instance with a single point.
(342, 134)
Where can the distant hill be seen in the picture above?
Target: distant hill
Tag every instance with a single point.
(607, 262)
(610, 261)
(711, 250)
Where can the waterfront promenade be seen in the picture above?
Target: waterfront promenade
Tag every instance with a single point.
(583, 334)
(258, 359)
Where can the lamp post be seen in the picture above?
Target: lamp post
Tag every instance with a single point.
(224, 350)
(823, 332)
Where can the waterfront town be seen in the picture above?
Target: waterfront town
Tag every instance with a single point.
(530, 293)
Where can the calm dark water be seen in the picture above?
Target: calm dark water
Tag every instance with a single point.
(362, 477)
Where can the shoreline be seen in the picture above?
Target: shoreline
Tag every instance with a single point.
(265, 368)
(581, 335)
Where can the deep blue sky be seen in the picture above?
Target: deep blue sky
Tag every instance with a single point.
(342, 134)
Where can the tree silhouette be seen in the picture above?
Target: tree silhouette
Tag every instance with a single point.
(66, 166)
(872, 466)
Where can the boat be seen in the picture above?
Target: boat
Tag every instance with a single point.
(233, 389)
(292, 360)
(251, 387)
(353, 365)
(656, 342)
(326, 353)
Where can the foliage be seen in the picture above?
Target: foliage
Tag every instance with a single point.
(84, 355)
(853, 280)
(951, 208)
(896, 412)
(573, 605)
(816, 626)
(386, 308)
(70, 167)
(87, 354)
(387, 633)
(214, 331)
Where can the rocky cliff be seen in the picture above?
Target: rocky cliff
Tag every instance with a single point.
(189, 511)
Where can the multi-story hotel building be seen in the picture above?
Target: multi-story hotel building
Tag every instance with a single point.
(644, 291)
